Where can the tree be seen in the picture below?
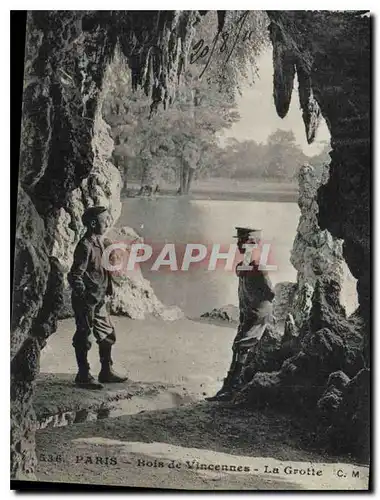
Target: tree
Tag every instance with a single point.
(283, 156)
(280, 158)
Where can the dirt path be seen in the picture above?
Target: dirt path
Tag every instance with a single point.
(190, 354)
(163, 434)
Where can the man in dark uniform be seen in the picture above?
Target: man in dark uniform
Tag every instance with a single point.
(255, 306)
(91, 283)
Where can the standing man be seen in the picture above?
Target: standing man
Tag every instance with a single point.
(255, 305)
(91, 283)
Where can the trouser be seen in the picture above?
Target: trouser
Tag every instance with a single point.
(246, 338)
(92, 320)
(243, 343)
(251, 328)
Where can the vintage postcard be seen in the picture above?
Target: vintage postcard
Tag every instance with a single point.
(191, 297)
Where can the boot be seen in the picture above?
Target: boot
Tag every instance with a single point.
(107, 375)
(230, 384)
(84, 378)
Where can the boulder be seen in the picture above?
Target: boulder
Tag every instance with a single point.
(265, 355)
(332, 397)
(345, 335)
(263, 389)
(350, 428)
(228, 313)
(133, 295)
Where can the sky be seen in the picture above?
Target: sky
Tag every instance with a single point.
(258, 113)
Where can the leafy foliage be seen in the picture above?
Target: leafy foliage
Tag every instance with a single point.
(229, 58)
(280, 158)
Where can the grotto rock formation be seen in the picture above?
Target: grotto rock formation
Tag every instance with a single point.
(317, 369)
(134, 296)
(317, 256)
(332, 397)
(60, 107)
(315, 253)
(320, 368)
(101, 187)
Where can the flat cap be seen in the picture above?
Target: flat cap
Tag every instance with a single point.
(92, 213)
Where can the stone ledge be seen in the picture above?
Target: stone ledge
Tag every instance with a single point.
(58, 402)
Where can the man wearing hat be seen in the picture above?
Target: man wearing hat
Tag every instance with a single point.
(255, 304)
(91, 283)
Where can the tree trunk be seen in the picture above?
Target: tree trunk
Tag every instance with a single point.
(190, 175)
(183, 178)
(125, 179)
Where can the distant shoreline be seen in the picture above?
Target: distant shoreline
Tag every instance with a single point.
(223, 189)
(213, 196)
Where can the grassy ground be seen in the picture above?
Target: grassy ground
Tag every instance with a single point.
(165, 419)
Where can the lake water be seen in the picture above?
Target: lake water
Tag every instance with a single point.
(180, 220)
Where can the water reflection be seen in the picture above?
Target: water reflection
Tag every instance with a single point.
(180, 220)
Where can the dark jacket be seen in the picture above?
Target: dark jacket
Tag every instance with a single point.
(89, 280)
(255, 297)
